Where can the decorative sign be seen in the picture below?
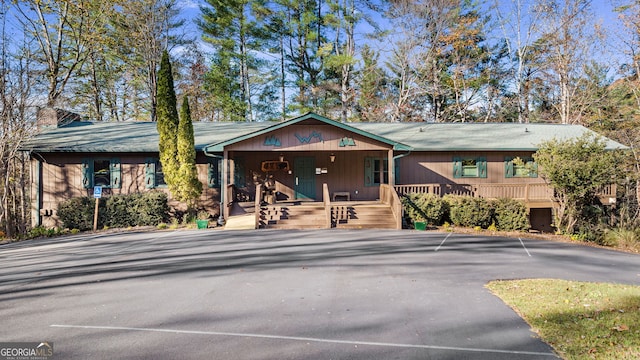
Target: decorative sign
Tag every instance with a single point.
(347, 141)
(271, 140)
(97, 192)
(267, 166)
(307, 139)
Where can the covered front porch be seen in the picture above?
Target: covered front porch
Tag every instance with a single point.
(385, 212)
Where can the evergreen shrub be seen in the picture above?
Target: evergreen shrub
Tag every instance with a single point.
(429, 208)
(116, 211)
(510, 215)
(469, 211)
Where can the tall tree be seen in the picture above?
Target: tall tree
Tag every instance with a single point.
(371, 81)
(567, 40)
(231, 26)
(190, 187)
(167, 125)
(64, 31)
(518, 22)
(18, 82)
(141, 31)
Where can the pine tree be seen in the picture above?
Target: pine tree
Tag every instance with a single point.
(190, 186)
(167, 125)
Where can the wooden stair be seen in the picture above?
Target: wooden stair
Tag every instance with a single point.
(296, 215)
(364, 215)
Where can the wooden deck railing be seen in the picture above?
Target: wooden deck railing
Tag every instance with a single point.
(390, 197)
(526, 192)
(257, 203)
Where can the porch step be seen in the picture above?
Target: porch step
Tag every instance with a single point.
(293, 216)
(363, 216)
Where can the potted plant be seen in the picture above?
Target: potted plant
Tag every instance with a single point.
(202, 220)
(420, 223)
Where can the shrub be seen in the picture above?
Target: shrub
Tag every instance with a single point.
(152, 208)
(425, 207)
(469, 212)
(78, 213)
(510, 215)
(146, 209)
(121, 210)
(624, 238)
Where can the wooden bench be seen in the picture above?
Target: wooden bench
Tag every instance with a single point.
(344, 194)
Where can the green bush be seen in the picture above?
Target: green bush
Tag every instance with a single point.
(78, 213)
(120, 210)
(469, 212)
(510, 215)
(149, 208)
(152, 208)
(425, 207)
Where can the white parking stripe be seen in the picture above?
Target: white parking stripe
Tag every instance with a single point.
(445, 239)
(307, 339)
(525, 248)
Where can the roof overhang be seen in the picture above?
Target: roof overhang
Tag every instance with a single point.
(220, 146)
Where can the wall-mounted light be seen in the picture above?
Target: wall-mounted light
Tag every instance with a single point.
(281, 158)
(332, 157)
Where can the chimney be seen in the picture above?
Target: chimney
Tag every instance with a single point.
(53, 118)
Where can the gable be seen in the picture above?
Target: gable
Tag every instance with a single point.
(308, 120)
(309, 136)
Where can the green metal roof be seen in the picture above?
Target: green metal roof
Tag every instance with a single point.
(476, 136)
(143, 136)
(128, 136)
(217, 147)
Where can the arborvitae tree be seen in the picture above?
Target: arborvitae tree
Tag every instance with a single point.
(167, 115)
(190, 187)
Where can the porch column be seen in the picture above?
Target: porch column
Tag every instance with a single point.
(392, 169)
(225, 182)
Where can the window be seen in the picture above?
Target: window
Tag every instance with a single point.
(153, 174)
(214, 173)
(520, 167)
(101, 172)
(376, 171)
(469, 167)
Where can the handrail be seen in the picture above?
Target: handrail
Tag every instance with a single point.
(389, 196)
(256, 205)
(529, 192)
(327, 205)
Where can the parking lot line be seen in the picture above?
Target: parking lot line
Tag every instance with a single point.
(525, 248)
(445, 239)
(306, 339)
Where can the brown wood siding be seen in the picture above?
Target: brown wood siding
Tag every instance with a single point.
(62, 180)
(437, 168)
(320, 138)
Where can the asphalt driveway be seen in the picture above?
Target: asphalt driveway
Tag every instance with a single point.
(284, 294)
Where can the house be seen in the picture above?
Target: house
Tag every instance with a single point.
(254, 167)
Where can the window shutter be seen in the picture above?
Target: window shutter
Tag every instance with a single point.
(368, 171)
(114, 169)
(213, 175)
(534, 169)
(87, 173)
(482, 167)
(396, 169)
(457, 167)
(150, 173)
(508, 167)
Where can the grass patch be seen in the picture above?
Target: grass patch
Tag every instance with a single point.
(580, 320)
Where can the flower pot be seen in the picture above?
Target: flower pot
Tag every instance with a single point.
(202, 224)
(420, 225)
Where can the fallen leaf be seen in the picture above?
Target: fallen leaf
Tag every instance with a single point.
(620, 328)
